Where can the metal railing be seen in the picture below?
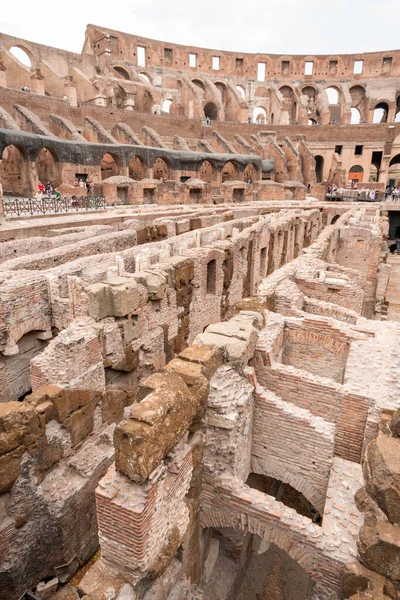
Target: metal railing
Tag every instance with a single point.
(343, 198)
(46, 205)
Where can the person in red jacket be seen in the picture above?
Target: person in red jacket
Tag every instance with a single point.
(41, 187)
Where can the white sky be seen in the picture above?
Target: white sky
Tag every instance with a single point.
(279, 26)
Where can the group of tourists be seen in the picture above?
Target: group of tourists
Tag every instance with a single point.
(367, 193)
(393, 193)
(25, 88)
(47, 190)
(206, 121)
(88, 184)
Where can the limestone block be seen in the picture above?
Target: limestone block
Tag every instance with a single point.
(67, 592)
(124, 295)
(237, 339)
(155, 282)
(117, 298)
(379, 547)
(382, 474)
(193, 375)
(46, 589)
(209, 356)
(155, 425)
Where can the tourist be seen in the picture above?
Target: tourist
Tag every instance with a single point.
(49, 189)
(372, 195)
(76, 183)
(58, 194)
(41, 187)
(308, 188)
(81, 183)
(87, 186)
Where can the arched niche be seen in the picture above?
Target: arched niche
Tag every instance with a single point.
(356, 173)
(319, 168)
(108, 166)
(259, 115)
(136, 168)
(122, 72)
(211, 111)
(207, 171)
(230, 171)
(14, 171)
(47, 167)
(160, 169)
(381, 111)
(22, 55)
(251, 173)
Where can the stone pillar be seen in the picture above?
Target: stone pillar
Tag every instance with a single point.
(129, 101)
(70, 92)
(37, 82)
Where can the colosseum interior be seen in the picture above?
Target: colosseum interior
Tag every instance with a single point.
(200, 375)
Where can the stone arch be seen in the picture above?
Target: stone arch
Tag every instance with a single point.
(241, 91)
(319, 168)
(260, 115)
(281, 537)
(356, 173)
(251, 172)
(394, 170)
(312, 122)
(145, 76)
(122, 72)
(27, 326)
(160, 169)
(108, 166)
(207, 171)
(23, 54)
(47, 167)
(381, 112)
(333, 94)
(358, 99)
(198, 83)
(211, 111)
(229, 171)
(136, 168)
(14, 171)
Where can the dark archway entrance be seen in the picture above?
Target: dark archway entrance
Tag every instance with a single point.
(319, 168)
(108, 166)
(47, 167)
(211, 111)
(14, 172)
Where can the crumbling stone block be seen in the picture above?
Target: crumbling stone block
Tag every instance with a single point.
(117, 298)
(155, 426)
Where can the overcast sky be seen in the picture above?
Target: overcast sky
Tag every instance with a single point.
(280, 26)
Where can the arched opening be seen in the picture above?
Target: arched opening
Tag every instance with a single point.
(211, 276)
(311, 122)
(381, 113)
(311, 95)
(319, 168)
(394, 171)
(289, 104)
(221, 87)
(160, 169)
(357, 93)
(285, 493)
(122, 72)
(251, 173)
(145, 77)
(21, 55)
(333, 95)
(259, 115)
(373, 174)
(166, 105)
(14, 172)
(211, 111)
(397, 116)
(206, 172)
(355, 116)
(108, 166)
(229, 172)
(241, 91)
(199, 84)
(356, 174)
(136, 170)
(334, 219)
(47, 167)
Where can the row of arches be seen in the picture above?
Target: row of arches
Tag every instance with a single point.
(18, 178)
(356, 172)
